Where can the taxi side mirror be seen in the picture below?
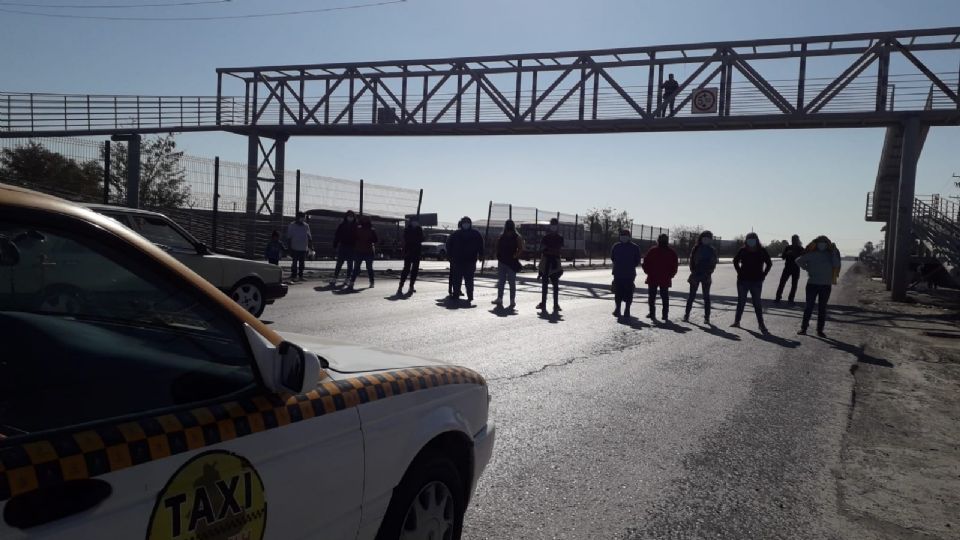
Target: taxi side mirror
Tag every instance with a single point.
(284, 368)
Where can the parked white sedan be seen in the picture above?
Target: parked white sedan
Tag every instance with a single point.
(151, 405)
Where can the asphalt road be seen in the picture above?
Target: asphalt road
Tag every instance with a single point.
(609, 430)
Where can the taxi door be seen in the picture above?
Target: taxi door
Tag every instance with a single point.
(139, 414)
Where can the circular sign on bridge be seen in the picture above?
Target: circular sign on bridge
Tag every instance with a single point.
(704, 101)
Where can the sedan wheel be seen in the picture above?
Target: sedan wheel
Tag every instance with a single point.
(250, 297)
(431, 514)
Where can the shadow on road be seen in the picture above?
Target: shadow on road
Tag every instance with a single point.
(776, 340)
(632, 322)
(501, 311)
(454, 303)
(553, 317)
(717, 331)
(856, 351)
(670, 325)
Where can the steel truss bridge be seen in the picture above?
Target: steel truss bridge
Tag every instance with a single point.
(904, 81)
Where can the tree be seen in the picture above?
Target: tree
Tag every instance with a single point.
(163, 181)
(775, 247)
(35, 167)
(609, 219)
(684, 237)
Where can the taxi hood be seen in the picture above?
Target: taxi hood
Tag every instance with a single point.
(352, 358)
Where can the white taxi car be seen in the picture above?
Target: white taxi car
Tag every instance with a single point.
(252, 284)
(153, 406)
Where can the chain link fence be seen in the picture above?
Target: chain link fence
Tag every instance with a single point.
(211, 194)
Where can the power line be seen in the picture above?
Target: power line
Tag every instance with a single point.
(174, 3)
(208, 18)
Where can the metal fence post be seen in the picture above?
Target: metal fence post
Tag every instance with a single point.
(536, 229)
(486, 234)
(590, 247)
(510, 211)
(361, 196)
(296, 207)
(106, 172)
(576, 224)
(606, 234)
(419, 202)
(216, 202)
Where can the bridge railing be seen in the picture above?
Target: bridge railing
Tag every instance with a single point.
(39, 112)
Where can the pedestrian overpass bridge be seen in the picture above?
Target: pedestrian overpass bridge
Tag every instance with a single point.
(904, 81)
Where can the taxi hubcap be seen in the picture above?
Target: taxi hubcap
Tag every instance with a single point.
(248, 296)
(430, 516)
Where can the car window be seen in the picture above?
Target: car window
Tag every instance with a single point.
(159, 231)
(89, 333)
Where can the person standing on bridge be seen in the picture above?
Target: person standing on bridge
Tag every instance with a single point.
(465, 249)
(508, 249)
(790, 269)
(670, 88)
(551, 246)
(626, 257)
(299, 240)
(752, 264)
(703, 261)
(343, 245)
(412, 252)
(822, 263)
(660, 264)
(364, 246)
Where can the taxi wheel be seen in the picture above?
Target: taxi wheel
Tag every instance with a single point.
(428, 504)
(249, 294)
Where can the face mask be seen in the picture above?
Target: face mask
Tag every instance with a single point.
(465, 226)
(553, 228)
(350, 219)
(624, 239)
(822, 246)
(706, 240)
(751, 242)
(414, 224)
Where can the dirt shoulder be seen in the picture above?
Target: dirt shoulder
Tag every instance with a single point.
(900, 470)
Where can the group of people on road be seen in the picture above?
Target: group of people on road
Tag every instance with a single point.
(355, 243)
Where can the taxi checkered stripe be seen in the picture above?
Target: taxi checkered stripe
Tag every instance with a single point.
(99, 450)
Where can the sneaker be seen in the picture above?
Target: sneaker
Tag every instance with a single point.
(350, 286)
(706, 321)
(626, 314)
(686, 318)
(764, 331)
(736, 324)
(802, 332)
(497, 302)
(400, 291)
(616, 312)
(556, 308)
(411, 290)
(512, 306)
(821, 334)
(371, 284)
(541, 306)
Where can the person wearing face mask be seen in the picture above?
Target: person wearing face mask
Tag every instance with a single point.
(364, 247)
(822, 263)
(343, 245)
(660, 264)
(752, 264)
(790, 269)
(412, 251)
(508, 249)
(625, 257)
(551, 246)
(703, 261)
(465, 249)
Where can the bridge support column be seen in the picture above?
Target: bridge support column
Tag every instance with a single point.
(265, 166)
(902, 234)
(133, 167)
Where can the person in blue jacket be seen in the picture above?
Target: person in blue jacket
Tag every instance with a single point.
(703, 261)
(626, 257)
(822, 263)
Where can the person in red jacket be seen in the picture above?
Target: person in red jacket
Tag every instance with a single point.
(660, 265)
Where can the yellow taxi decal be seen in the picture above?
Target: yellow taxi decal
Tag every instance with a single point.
(216, 495)
(99, 450)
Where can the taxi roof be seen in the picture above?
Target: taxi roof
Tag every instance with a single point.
(26, 198)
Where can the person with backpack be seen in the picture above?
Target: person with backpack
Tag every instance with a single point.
(752, 264)
(821, 260)
(790, 269)
(703, 261)
(412, 251)
(626, 257)
(465, 249)
(343, 245)
(274, 249)
(508, 248)
(364, 246)
(551, 246)
(660, 264)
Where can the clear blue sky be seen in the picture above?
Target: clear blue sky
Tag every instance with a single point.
(775, 182)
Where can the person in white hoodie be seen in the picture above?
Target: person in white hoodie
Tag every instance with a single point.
(822, 263)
